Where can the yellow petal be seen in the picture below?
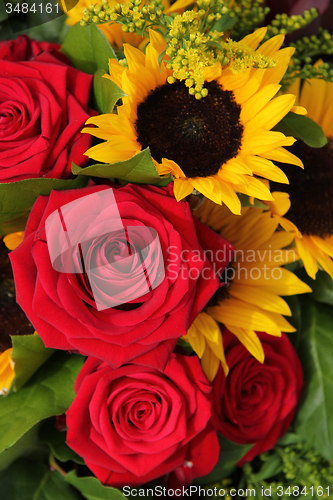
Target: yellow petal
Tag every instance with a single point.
(256, 188)
(6, 371)
(308, 259)
(229, 197)
(235, 313)
(325, 244)
(196, 340)
(179, 5)
(13, 240)
(271, 46)
(212, 72)
(313, 98)
(281, 203)
(261, 298)
(253, 84)
(261, 141)
(283, 156)
(210, 364)
(113, 150)
(273, 112)
(258, 101)
(267, 169)
(254, 39)
(298, 110)
(182, 188)
(250, 341)
(209, 187)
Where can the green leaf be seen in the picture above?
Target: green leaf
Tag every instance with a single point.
(26, 445)
(139, 169)
(289, 438)
(294, 302)
(225, 23)
(87, 48)
(29, 354)
(92, 489)
(270, 468)
(49, 30)
(29, 480)
(49, 392)
(245, 201)
(3, 13)
(322, 286)
(160, 59)
(17, 198)
(314, 418)
(302, 127)
(230, 454)
(56, 440)
(186, 346)
(106, 92)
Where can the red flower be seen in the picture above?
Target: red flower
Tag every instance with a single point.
(135, 424)
(256, 402)
(144, 279)
(43, 107)
(25, 49)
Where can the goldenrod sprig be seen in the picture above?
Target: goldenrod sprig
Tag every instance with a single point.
(308, 50)
(192, 42)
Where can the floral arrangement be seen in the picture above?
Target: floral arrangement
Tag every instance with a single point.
(166, 181)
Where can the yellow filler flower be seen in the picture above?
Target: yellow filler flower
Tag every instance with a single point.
(310, 216)
(250, 300)
(217, 144)
(6, 371)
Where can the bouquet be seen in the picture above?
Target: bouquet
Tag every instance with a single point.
(166, 181)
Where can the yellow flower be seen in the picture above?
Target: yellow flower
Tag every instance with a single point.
(13, 240)
(216, 145)
(205, 337)
(307, 207)
(251, 299)
(6, 371)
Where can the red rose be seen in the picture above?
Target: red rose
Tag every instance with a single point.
(24, 49)
(144, 279)
(134, 424)
(256, 402)
(43, 107)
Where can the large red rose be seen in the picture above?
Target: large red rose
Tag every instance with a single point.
(134, 424)
(131, 280)
(43, 107)
(256, 402)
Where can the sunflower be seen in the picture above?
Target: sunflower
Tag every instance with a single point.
(250, 299)
(216, 145)
(6, 371)
(308, 200)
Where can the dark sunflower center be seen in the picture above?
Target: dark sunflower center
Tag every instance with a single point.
(311, 189)
(199, 135)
